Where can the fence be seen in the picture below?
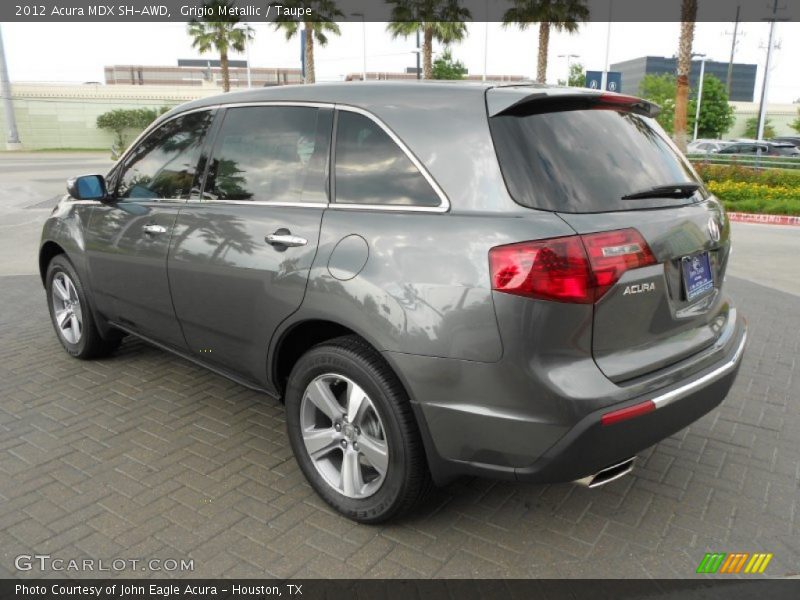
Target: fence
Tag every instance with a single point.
(65, 116)
(755, 162)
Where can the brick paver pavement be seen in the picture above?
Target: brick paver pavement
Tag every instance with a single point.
(144, 455)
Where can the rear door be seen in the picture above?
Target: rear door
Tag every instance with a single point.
(240, 255)
(604, 165)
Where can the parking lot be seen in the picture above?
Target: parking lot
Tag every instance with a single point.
(145, 455)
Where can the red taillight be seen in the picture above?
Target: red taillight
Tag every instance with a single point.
(630, 412)
(611, 253)
(553, 269)
(568, 269)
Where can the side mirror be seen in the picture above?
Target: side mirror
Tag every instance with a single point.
(87, 187)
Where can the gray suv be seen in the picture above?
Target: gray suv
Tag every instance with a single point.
(436, 279)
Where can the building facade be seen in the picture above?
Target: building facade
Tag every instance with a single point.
(743, 80)
(200, 73)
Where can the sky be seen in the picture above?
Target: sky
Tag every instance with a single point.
(77, 52)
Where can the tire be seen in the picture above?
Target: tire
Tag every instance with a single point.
(370, 466)
(66, 297)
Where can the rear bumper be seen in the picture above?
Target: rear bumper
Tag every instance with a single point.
(497, 439)
(590, 446)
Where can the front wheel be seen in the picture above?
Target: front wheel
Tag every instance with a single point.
(353, 433)
(71, 313)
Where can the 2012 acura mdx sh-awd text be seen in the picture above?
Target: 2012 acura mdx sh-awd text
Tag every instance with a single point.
(437, 279)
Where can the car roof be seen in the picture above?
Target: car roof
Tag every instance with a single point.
(374, 95)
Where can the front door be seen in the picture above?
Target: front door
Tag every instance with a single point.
(128, 237)
(240, 256)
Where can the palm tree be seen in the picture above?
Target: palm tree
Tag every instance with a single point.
(324, 13)
(688, 16)
(440, 20)
(222, 36)
(562, 15)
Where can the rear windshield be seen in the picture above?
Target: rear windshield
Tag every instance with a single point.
(586, 160)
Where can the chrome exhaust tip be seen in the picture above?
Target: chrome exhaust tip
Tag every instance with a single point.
(608, 474)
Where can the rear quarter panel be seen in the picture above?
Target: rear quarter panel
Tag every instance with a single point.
(425, 287)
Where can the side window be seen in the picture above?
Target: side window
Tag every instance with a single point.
(164, 164)
(372, 169)
(271, 154)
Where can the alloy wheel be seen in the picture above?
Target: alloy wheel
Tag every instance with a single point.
(67, 308)
(344, 435)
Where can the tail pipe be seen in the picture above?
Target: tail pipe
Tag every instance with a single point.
(608, 474)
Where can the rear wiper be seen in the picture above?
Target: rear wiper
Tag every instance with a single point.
(672, 190)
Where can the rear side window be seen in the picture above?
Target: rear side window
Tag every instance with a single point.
(271, 154)
(372, 169)
(585, 160)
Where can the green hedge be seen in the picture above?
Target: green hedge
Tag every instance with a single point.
(763, 191)
(771, 177)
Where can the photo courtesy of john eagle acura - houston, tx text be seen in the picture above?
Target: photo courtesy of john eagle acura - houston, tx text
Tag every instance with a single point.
(507, 281)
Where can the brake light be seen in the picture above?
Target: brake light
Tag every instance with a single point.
(630, 412)
(618, 99)
(631, 102)
(577, 269)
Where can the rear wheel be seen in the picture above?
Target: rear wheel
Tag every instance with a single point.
(71, 314)
(353, 433)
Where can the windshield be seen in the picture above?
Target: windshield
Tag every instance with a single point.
(587, 160)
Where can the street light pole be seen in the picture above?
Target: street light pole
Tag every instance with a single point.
(363, 45)
(699, 94)
(569, 64)
(12, 141)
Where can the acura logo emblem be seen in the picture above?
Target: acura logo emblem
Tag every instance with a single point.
(713, 229)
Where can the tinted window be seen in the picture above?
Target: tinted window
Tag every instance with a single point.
(372, 169)
(787, 150)
(585, 160)
(163, 165)
(271, 154)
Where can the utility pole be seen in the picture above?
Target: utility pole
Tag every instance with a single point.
(763, 106)
(604, 77)
(485, 41)
(12, 141)
(733, 49)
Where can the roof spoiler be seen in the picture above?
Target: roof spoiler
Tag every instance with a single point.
(542, 102)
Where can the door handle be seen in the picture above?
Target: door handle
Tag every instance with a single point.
(283, 237)
(154, 229)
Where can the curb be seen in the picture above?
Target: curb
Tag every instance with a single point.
(764, 219)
